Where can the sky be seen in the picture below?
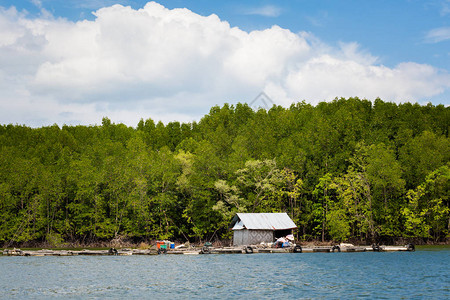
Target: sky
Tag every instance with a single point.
(76, 61)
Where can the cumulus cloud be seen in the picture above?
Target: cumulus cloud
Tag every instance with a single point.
(174, 65)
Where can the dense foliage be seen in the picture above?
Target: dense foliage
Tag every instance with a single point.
(348, 169)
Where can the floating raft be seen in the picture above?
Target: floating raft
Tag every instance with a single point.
(46, 252)
(211, 250)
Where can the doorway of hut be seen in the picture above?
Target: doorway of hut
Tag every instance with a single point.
(282, 233)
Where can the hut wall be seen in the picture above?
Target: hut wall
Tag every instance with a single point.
(252, 237)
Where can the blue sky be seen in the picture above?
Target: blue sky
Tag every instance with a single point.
(397, 50)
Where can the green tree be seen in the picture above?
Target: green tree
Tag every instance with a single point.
(258, 180)
(428, 213)
(322, 191)
(423, 154)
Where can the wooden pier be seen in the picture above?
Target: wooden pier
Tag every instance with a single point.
(211, 250)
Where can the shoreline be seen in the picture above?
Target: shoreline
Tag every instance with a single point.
(244, 249)
(205, 250)
(146, 244)
(101, 245)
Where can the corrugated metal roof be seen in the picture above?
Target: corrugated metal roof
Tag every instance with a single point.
(264, 221)
(238, 226)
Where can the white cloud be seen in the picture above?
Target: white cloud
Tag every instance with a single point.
(166, 64)
(353, 52)
(37, 3)
(326, 77)
(438, 35)
(265, 11)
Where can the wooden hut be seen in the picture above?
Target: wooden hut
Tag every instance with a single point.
(254, 228)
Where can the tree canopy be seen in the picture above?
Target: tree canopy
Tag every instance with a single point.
(349, 169)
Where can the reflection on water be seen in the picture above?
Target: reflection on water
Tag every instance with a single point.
(420, 274)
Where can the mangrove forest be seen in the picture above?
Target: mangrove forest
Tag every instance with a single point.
(345, 170)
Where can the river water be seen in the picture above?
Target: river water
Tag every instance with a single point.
(423, 274)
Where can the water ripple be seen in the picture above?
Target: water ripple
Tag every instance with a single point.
(416, 275)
